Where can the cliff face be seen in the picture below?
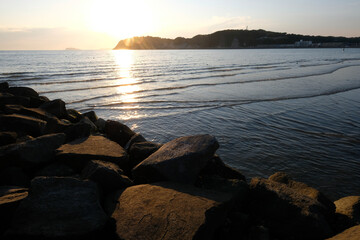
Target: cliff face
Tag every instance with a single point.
(230, 39)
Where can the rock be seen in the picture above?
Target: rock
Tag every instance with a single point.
(77, 153)
(137, 137)
(349, 234)
(36, 151)
(238, 189)
(73, 115)
(100, 124)
(108, 175)
(179, 160)
(7, 138)
(78, 130)
(55, 107)
(23, 92)
(349, 210)
(141, 150)
(302, 188)
(287, 213)
(217, 167)
(168, 211)
(14, 176)
(92, 116)
(30, 112)
(10, 198)
(36, 102)
(7, 98)
(4, 86)
(56, 169)
(86, 120)
(118, 132)
(22, 124)
(59, 208)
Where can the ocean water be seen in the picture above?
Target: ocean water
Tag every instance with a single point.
(292, 110)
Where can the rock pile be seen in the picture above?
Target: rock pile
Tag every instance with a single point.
(71, 175)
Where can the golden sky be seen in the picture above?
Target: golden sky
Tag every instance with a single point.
(100, 24)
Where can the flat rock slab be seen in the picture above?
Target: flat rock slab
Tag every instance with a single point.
(77, 153)
(168, 211)
(59, 207)
(349, 234)
(179, 160)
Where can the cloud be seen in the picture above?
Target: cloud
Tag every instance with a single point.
(52, 38)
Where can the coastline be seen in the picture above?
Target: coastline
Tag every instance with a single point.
(130, 186)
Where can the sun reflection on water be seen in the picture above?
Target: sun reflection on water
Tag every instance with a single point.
(127, 85)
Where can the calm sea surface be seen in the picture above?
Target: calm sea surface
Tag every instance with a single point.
(292, 110)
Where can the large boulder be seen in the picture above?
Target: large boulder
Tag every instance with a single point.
(55, 107)
(349, 234)
(59, 208)
(22, 124)
(10, 198)
(77, 153)
(302, 188)
(287, 213)
(118, 132)
(108, 175)
(36, 151)
(179, 160)
(168, 211)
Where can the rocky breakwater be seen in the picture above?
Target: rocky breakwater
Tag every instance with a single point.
(71, 175)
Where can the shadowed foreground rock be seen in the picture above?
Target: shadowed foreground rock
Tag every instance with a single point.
(58, 207)
(168, 211)
(288, 213)
(179, 160)
(108, 175)
(80, 151)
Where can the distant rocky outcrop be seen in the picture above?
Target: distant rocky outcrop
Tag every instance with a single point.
(71, 175)
(238, 39)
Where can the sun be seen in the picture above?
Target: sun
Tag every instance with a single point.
(121, 19)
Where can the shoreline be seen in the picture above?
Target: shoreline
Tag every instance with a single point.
(57, 162)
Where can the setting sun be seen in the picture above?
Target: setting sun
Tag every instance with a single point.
(121, 19)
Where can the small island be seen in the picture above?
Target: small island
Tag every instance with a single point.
(238, 39)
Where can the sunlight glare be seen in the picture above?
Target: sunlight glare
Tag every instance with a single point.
(121, 19)
(124, 61)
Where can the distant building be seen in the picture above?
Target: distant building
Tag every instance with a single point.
(302, 43)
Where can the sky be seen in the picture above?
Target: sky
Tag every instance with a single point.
(100, 24)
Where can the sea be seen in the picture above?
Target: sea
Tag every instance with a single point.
(291, 110)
